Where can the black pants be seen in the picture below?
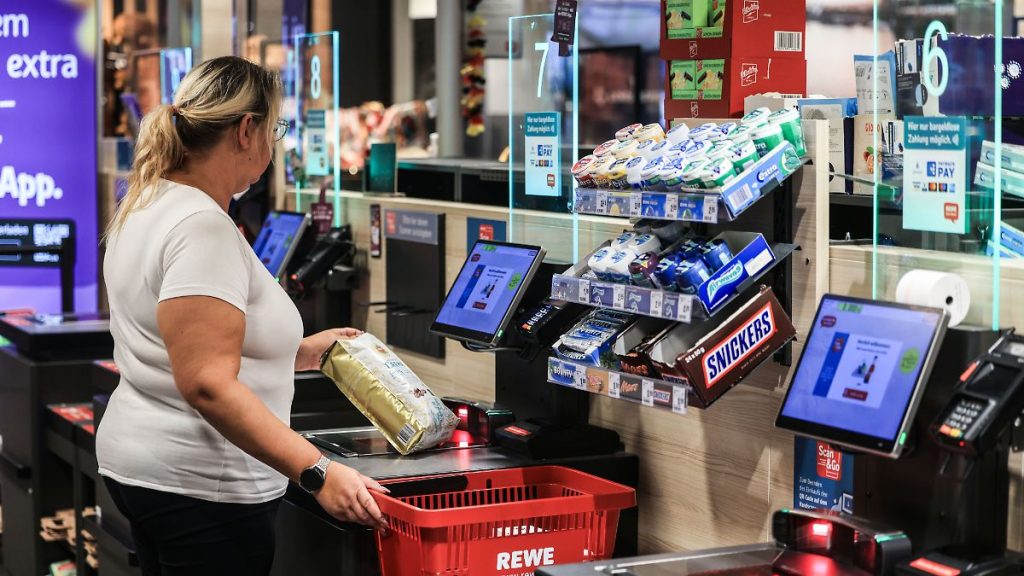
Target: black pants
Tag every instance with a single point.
(177, 535)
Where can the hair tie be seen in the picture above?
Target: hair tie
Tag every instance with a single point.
(174, 110)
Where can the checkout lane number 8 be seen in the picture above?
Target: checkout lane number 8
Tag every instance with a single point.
(928, 54)
(315, 83)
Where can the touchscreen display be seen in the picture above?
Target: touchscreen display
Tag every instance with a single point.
(860, 366)
(274, 244)
(487, 287)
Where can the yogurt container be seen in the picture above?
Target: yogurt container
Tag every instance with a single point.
(599, 171)
(598, 263)
(651, 132)
(581, 171)
(660, 148)
(718, 173)
(716, 254)
(664, 276)
(693, 173)
(728, 128)
(702, 133)
(644, 243)
(628, 132)
(672, 175)
(618, 266)
(717, 135)
(756, 117)
(690, 274)
(766, 138)
(622, 240)
(744, 155)
(650, 175)
(741, 133)
(697, 151)
(625, 149)
(720, 150)
(678, 133)
(617, 175)
(789, 121)
(643, 148)
(634, 172)
(605, 149)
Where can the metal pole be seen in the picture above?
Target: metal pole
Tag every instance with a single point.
(448, 55)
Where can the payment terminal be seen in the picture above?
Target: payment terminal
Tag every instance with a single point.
(989, 395)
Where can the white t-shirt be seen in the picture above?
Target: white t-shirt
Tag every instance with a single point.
(183, 244)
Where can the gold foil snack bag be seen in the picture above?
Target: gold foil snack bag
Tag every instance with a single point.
(389, 394)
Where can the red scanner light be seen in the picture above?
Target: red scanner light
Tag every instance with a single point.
(821, 529)
(463, 412)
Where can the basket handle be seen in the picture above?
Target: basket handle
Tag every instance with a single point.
(424, 486)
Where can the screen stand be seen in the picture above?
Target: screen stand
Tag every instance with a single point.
(911, 494)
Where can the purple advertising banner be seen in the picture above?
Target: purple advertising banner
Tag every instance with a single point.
(48, 140)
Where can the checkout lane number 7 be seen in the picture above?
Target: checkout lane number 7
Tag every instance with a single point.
(541, 47)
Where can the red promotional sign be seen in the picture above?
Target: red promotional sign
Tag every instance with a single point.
(830, 462)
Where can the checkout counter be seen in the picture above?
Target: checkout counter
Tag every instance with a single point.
(48, 363)
(931, 481)
(548, 423)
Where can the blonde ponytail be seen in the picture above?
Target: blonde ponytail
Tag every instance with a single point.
(212, 97)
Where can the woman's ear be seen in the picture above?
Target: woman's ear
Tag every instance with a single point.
(246, 132)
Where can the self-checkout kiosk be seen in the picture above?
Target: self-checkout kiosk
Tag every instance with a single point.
(497, 305)
(929, 413)
(48, 363)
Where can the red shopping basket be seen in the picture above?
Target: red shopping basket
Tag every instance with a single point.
(498, 523)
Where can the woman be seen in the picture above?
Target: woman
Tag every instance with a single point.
(195, 447)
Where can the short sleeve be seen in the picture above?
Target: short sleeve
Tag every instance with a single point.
(203, 256)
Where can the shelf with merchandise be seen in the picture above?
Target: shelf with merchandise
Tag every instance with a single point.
(709, 206)
(754, 258)
(651, 392)
(673, 365)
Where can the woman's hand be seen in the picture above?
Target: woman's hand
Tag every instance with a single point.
(313, 347)
(346, 496)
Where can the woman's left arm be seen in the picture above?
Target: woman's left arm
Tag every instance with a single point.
(313, 347)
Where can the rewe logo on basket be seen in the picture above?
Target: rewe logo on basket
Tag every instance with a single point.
(526, 559)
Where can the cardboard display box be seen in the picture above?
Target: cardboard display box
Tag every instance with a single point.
(866, 159)
(713, 357)
(718, 88)
(840, 113)
(767, 28)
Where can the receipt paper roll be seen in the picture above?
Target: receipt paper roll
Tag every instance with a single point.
(937, 290)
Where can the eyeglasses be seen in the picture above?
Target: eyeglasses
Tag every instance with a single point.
(280, 130)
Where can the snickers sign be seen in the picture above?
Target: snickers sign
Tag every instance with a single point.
(756, 330)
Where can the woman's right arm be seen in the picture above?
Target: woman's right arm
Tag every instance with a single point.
(203, 336)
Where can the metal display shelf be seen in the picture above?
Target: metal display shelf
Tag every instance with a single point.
(649, 392)
(653, 302)
(692, 205)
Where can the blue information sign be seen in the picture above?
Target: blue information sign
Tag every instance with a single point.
(543, 154)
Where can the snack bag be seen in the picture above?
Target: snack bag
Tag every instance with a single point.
(389, 394)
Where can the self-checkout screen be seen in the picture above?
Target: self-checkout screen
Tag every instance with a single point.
(486, 290)
(277, 239)
(861, 365)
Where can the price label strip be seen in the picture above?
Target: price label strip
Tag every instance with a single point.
(656, 304)
(614, 385)
(584, 292)
(602, 202)
(580, 378)
(679, 399)
(636, 204)
(647, 396)
(619, 297)
(684, 308)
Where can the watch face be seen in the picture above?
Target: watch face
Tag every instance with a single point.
(311, 479)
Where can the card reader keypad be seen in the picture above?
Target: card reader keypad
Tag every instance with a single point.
(960, 419)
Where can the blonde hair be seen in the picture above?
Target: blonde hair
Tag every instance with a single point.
(214, 96)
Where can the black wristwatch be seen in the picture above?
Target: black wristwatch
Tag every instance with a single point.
(312, 479)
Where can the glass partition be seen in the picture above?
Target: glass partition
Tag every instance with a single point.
(543, 138)
(317, 161)
(941, 178)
